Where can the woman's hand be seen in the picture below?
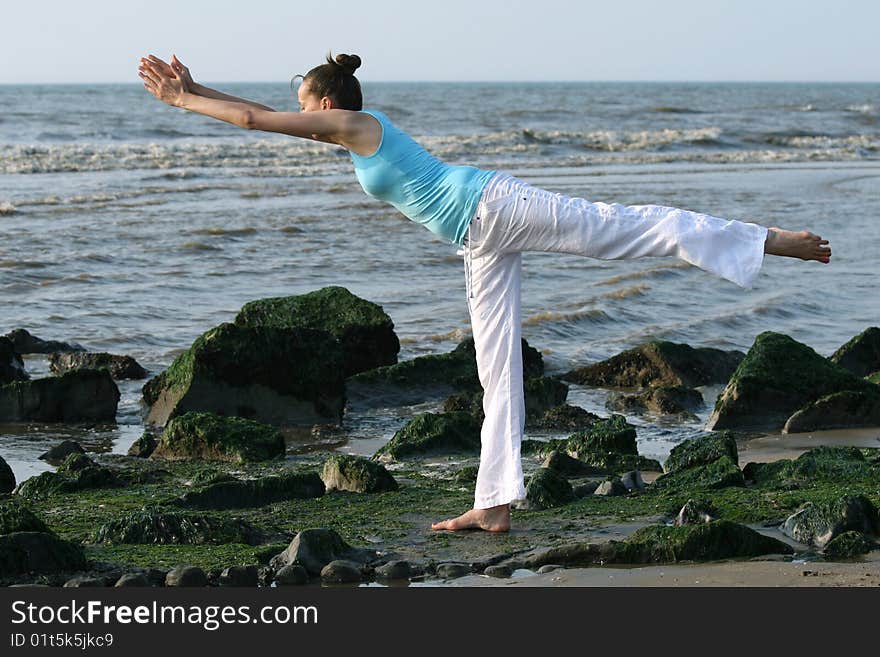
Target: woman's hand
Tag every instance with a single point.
(161, 80)
(182, 71)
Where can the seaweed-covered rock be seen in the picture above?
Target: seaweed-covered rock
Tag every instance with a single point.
(466, 475)
(47, 484)
(818, 523)
(188, 576)
(568, 466)
(155, 526)
(7, 477)
(315, 548)
(341, 571)
(777, 377)
(40, 552)
(848, 545)
(632, 480)
(874, 378)
(663, 400)
(240, 576)
(659, 363)
(273, 375)
(213, 437)
(11, 364)
(120, 367)
(564, 417)
(83, 395)
(612, 434)
(365, 331)
(396, 569)
(611, 488)
(26, 343)
(144, 446)
(721, 473)
(356, 474)
(541, 394)
(547, 489)
(292, 575)
(253, 493)
(16, 517)
(718, 539)
(861, 354)
(61, 451)
(446, 433)
(695, 512)
(76, 462)
(701, 451)
(820, 463)
(839, 410)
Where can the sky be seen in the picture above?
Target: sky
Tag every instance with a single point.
(446, 40)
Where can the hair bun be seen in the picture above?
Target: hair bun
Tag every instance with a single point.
(348, 63)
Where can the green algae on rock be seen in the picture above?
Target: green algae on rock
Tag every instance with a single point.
(824, 462)
(356, 474)
(209, 436)
(720, 473)
(818, 523)
(547, 489)
(7, 477)
(848, 545)
(47, 484)
(11, 364)
(777, 377)
(839, 410)
(120, 367)
(81, 395)
(16, 517)
(156, 526)
(316, 547)
(861, 354)
(273, 375)
(365, 331)
(659, 363)
(541, 394)
(663, 400)
(434, 433)
(254, 493)
(564, 417)
(613, 434)
(38, 552)
(701, 451)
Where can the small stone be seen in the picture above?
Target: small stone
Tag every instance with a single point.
(341, 571)
(583, 490)
(132, 579)
(633, 480)
(292, 575)
(394, 570)
(78, 582)
(549, 567)
(500, 571)
(62, 451)
(611, 487)
(452, 569)
(186, 576)
(240, 576)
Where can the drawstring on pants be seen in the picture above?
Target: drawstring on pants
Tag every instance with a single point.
(466, 252)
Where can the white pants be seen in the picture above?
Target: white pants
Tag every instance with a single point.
(513, 217)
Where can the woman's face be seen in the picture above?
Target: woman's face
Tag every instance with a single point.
(309, 102)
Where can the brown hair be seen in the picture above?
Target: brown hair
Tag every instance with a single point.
(336, 80)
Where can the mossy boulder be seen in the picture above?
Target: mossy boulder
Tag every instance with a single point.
(213, 437)
(38, 552)
(611, 434)
(839, 410)
(120, 367)
(709, 541)
(79, 396)
(848, 545)
(365, 331)
(822, 463)
(272, 375)
(315, 548)
(47, 484)
(356, 474)
(541, 394)
(16, 517)
(661, 400)
(58, 453)
(7, 477)
(777, 377)
(76, 462)
(720, 473)
(702, 451)
(818, 523)
(433, 433)
(254, 493)
(874, 378)
(564, 417)
(144, 446)
(861, 354)
(659, 363)
(155, 526)
(547, 488)
(568, 466)
(11, 364)
(25, 342)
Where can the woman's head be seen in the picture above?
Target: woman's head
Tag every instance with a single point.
(332, 84)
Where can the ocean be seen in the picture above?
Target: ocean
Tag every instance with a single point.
(132, 227)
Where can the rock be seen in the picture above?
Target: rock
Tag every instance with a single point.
(818, 523)
(874, 378)
(848, 545)
(662, 400)
(16, 517)
(777, 377)
(209, 476)
(253, 493)
(356, 474)
(826, 463)
(565, 418)
(435, 433)
(62, 450)
(341, 571)
(721, 473)
(240, 576)
(75, 463)
(659, 363)
(452, 569)
(132, 579)
(701, 451)
(861, 354)
(212, 437)
(47, 484)
(11, 364)
(541, 394)
(839, 410)
(83, 395)
(143, 447)
(611, 487)
(41, 552)
(719, 539)
(26, 343)
(276, 376)
(365, 331)
(7, 477)
(547, 489)
(632, 480)
(291, 575)
(548, 568)
(120, 367)
(501, 571)
(80, 582)
(612, 434)
(567, 466)
(467, 474)
(186, 576)
(394, 570)
(151, 526)
(695, 512)
(315, 548)
(583, 490)
(465, 402)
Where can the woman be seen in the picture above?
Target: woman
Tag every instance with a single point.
(494, 217)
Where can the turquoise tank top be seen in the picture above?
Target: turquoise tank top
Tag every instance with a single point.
(439, 196)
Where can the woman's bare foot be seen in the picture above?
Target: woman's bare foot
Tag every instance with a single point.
(801, 244)
(493, 519)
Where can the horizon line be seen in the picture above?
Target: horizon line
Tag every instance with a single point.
(445, 81)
